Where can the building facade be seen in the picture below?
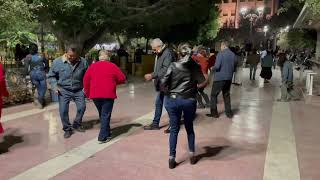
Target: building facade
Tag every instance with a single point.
(231, 10)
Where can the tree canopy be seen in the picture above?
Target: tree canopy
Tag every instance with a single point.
(84, 22)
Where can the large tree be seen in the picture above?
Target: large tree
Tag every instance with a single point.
(16, 23)
(84, 22)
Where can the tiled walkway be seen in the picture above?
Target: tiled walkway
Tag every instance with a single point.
(266, 140)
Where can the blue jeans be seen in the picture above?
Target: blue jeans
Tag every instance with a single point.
(253, 70)
(104, 107)
(38, 79)
(65, 96)
(175, 108)
(159, 105)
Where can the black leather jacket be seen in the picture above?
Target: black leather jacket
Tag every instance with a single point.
(182, 78)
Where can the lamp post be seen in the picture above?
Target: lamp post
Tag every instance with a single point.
(252, 17)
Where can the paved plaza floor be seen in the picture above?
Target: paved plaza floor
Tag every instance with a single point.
(266, 140)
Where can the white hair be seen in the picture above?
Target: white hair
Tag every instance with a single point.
(104, 55)
(156, 42)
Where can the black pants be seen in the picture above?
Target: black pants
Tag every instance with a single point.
(217, 87)
(201, 94)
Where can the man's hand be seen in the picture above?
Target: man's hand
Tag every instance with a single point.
(148, 77)
(57, 91)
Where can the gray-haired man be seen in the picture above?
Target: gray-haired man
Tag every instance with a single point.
(164, 58)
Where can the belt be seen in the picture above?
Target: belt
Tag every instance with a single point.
(177, 96)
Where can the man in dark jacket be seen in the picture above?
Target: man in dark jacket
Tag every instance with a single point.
(66, 78)
(163, 60)
(182, 80)
(224, 69)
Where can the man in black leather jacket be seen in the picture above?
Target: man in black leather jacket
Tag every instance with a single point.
(180, 84)
(164, 58)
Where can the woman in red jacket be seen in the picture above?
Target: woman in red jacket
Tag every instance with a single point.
(100, 82)
(3, 92)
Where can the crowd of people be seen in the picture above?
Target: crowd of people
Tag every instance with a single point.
(180, 78)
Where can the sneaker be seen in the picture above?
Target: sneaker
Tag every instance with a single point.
(104, 141)
(151, 127)
(193, 160)
(67, 134)
(172, 163)
(212, 115)
(167, 131)
(80, 129)
(282, 100)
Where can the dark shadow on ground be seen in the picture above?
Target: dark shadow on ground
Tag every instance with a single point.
(210, 152)
(118, 131)
(8, 142)
(90, 124)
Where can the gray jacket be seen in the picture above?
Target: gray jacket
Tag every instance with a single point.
(64, 75)
(163, 61)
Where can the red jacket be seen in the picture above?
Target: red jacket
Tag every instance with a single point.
(101, 80)
(3, 91)
(203, 61)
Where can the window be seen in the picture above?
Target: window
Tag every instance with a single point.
(250, 0)
(225, 1)
(234, 1)
(242, 0)
(233, 13)
(225, 14)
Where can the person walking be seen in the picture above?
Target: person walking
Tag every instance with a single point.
(288, 92)
(224, 69)
(181, 81)
(100, 83)
(3, 92)
(266, 64)
(36, 67)
(238, 71)
(253, 60)
(66, 78)
(203, 61)
(164, 58)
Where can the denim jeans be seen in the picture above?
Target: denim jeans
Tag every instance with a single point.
(158, 105)
(38, 79)
(217, 87)
(104, 107)
(253, 70)
(175, 108)
(65, 97)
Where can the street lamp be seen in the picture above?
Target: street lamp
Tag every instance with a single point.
(252, 16)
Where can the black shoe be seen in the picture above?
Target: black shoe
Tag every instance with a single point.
(151, 127)
(212, 115)
(80, 129)
(67, 134)
(104, 141)
(193, 160)
(229, 116)
(201, 107)
(172, 163)
(167, 131)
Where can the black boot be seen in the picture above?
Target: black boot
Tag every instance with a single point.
(172, 163)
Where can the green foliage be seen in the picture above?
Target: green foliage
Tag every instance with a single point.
(210, 29)
(314, 5)
(297, 39)
(85, 21)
